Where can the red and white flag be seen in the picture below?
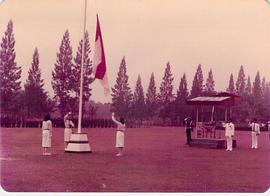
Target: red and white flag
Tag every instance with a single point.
(99, 67)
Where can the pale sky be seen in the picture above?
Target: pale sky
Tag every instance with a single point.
(219, 34)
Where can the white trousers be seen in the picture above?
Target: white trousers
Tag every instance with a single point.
(254, 140)
(120, 139)
(67, 134)
(46, 139)
(229, 142)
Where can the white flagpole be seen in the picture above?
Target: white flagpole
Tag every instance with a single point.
(82, 70)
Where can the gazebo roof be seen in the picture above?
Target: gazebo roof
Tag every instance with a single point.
(221, 99)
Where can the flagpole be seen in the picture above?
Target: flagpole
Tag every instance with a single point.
(82, 70)
(79, 141)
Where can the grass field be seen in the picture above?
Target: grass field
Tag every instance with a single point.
(156, 160)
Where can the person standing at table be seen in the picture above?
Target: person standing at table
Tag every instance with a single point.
(68, 125)
(120, 134)
(255, 131)
(46, 135)
(229, 133)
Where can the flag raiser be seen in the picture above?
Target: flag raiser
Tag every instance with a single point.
(99, 67)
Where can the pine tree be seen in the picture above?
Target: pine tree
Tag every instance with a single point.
(231, 88)
(263, 85)
(182, 94)
(10, 72)
(197, 85)
(166, 95)
(138, 104)
(151, 98)
(266, 101)
(63, 79)
(248, 89)
(166, 87)
(257, 104)
(87, 71)
(241, 82)
(257, 90)
(121, 92)
(35, 98)
(210, 84)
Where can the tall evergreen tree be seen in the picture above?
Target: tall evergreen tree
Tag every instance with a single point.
(182, 92)
(263, 86)
(240, 84)
(151, 98)
(181, 96)
(266, 101)
(10, 72)
(138, 104)
(257, 104)
(248, 89)
(121, 92)
(197, 85)
(210, 83)
(87, 71)
(166, 87)
(35, 98)
(244, 109)
(257, 90)
(166, 95)
(63, 79)
(231, 88)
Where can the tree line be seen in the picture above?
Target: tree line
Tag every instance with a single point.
(169, 107)
(160, 105)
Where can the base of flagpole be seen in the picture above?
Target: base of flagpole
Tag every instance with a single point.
(78, 143)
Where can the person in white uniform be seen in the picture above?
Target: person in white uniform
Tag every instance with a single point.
(46, 135)
(229, 133)
(255, 131)
(68, 125)
(120, 134)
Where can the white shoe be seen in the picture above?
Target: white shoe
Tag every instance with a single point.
(230, 149)
(118, 155)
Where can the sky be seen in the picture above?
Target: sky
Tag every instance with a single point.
(220, 35)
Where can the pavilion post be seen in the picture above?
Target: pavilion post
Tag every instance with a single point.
(212, 115)
(202, 115)
(226, 115)
(197, 120)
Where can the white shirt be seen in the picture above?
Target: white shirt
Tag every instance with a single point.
(68, 123)
(120, 126)
(229, 129)
(47, 125)
(255, 127)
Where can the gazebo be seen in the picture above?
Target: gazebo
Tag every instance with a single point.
(222, 99)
